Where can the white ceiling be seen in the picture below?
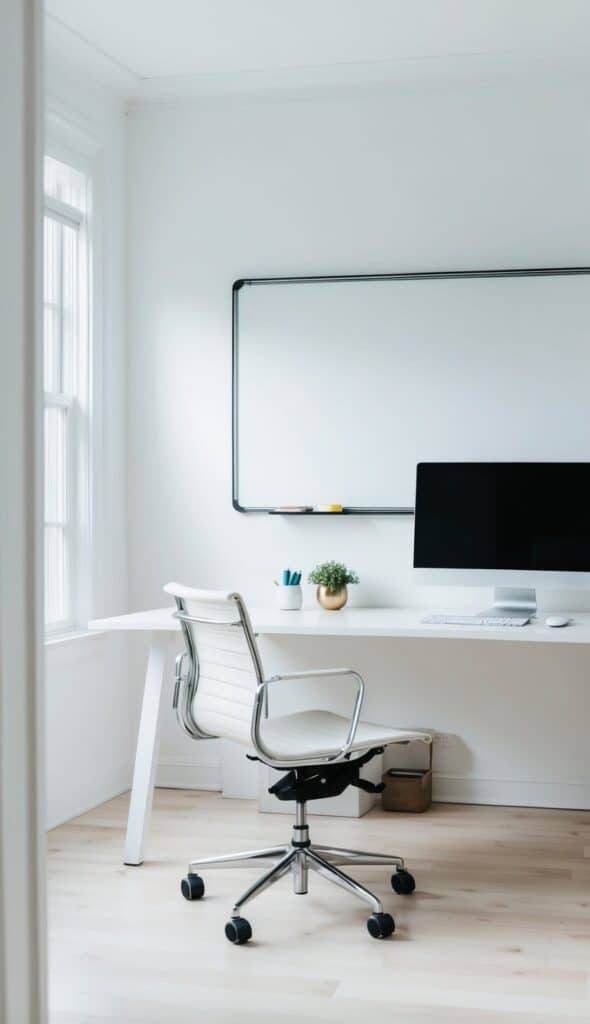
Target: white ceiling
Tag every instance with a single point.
(218, 44)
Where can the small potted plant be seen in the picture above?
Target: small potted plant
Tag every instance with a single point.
(331, 579)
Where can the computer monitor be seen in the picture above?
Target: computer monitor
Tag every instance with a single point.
(512, 525)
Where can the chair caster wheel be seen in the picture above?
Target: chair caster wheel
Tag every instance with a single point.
(403, 882)
(192, 887)
(238, 931)
(381, 926)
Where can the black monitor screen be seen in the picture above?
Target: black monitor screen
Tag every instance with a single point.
(503, 515)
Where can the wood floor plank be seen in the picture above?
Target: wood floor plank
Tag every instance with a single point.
(498, 931)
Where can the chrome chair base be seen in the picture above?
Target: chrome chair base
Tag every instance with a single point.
(297, 858)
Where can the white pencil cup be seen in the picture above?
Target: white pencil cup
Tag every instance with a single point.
(289, 598)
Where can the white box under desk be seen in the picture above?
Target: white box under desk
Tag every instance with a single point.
(247, 780)
(353, 803)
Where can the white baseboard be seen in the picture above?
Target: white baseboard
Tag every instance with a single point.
(180, 773)
(561, 793)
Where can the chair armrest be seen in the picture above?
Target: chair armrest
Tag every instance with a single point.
(259, 701)
(310, 673)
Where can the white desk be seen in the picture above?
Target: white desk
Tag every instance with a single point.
(361, 622)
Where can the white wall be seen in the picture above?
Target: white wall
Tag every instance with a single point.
(466, 177)
(91, 706)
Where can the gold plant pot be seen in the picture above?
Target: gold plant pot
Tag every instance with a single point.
(332, 600)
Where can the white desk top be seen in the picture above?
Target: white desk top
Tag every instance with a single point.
(367, 622)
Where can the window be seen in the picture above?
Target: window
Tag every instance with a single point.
(66, 304)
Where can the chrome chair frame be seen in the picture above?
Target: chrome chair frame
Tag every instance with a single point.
(298, 856)
(188, 686)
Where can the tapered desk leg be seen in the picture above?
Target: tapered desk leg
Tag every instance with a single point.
(146, 753)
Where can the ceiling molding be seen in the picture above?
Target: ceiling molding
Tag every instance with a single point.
(64, 47)
(403, 75)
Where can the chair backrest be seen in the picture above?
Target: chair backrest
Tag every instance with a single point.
(224, 666)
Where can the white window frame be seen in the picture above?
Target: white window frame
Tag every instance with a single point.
(68, 145)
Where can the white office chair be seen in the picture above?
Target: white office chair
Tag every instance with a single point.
(221, 691)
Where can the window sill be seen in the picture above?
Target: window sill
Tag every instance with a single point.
(50, 639)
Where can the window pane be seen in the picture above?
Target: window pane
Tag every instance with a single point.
(69, 309)
(52, 333)
(65, 375)
(51, 349)
(56, 464)
(65, 183)
(52, 286)
(61, 286)
(56, 596)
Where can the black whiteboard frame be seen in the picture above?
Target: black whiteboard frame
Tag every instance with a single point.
(424, 276)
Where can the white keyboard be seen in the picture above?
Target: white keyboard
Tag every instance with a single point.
(475, 620)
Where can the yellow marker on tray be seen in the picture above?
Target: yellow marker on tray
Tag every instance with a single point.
(328, 508)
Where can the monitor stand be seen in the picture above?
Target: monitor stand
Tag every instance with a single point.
(513, 602)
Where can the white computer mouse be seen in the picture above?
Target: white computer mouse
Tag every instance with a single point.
(557, 620)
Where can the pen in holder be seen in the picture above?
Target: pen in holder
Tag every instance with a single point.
(289, 598)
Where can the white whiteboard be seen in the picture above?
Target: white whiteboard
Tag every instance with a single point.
(342, 385)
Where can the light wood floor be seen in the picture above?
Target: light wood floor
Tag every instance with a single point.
(498, 931)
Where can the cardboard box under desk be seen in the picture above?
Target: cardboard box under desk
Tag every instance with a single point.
(408, 789)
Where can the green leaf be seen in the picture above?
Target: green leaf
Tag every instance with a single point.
(333, 575)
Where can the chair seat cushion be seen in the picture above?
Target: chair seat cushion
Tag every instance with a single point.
(311, 734)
